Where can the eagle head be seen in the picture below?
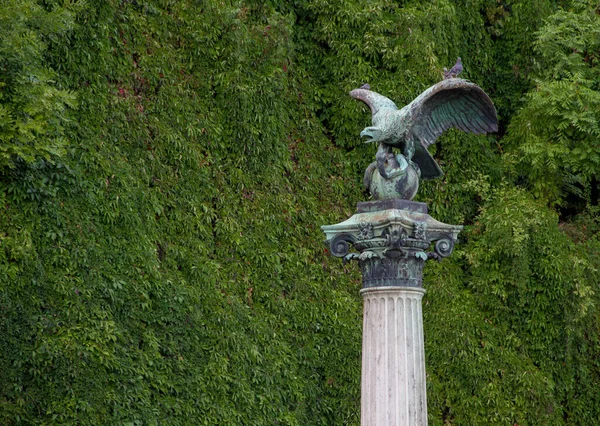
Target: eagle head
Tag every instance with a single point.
(372, 134)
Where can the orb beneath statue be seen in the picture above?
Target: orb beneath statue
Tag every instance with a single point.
(402, 182)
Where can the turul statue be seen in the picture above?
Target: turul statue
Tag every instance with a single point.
(453, 102)
(391, 238)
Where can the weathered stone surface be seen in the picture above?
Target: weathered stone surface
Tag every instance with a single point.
(393, 391)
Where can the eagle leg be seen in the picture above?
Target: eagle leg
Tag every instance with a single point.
(409, 152)
(409, 149)
(384, 156)
(381, 157)
(369, 176)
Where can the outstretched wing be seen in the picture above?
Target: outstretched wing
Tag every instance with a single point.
(375, 101)
(450, 103)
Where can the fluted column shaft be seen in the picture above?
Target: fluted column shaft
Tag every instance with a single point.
(393, 389)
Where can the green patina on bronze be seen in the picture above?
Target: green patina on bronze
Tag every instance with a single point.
(392, 235)
(392, 239)
(453, 102)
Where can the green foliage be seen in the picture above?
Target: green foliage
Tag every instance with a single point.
(555, 137)
(531, 278)
(513, 323)
(161, 260)
(512, 26)
(32, 108)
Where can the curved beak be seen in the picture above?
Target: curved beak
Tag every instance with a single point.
(371, 134)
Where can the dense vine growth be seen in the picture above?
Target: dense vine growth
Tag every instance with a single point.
(165, 166)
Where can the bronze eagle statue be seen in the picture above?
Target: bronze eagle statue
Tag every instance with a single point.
(452, 102)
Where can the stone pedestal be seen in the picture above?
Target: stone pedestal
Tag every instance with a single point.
(392, 239)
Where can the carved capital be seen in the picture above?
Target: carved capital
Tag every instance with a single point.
(391, 245)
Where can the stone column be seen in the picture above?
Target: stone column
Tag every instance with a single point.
(393, 390)
(392, 239)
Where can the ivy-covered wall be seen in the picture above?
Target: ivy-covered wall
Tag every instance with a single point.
(165, 167)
